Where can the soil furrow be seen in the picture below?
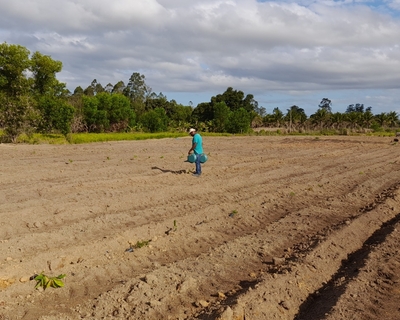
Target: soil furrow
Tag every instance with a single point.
(320, 303)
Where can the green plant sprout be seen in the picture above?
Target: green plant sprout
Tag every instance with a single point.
(173, 229)
(141, 244)
(45, 281)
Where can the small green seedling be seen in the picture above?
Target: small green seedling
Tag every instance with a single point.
(172, 229)
(141, 244)
(45, 281)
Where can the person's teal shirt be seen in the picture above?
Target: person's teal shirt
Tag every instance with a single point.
(199, 143)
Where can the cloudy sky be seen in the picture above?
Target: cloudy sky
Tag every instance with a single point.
(283, 52)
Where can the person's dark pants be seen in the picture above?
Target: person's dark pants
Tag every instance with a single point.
(198, 164)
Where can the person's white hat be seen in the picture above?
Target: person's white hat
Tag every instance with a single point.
(192, 130)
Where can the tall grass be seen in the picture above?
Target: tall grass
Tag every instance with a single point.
(77, 138)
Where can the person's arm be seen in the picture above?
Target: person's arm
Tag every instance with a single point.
(192, 148)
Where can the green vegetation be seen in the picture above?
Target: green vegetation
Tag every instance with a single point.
(141, 244)
(36, 108)
(173, 229)
(103, 137)
(44, 281)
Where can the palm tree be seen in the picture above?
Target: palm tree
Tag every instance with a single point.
(337, 120)
(277, 117)
(321, 117)
(353, 118)
(382, 119)
(295, 116)
(367, 118)
(392, 119)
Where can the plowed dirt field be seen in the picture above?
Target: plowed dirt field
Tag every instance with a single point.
(275, 228)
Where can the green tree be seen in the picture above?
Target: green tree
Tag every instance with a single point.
(277, 117)
(14, 62)
(321, 117)
(17, 115)
(382, 119)
(392, 118)
(44, 70)
(95, 119)
(16, 105)
(203, 112)
(295, 116)
(158, 101)
(235, 100)
(326, 104)
(56, 115)
(107, 112)
(367, 118)
(78, 91)
(358, 107)
(353, 118)
(118, 87)
(137, 89)
(120, 114)
(337, 120)
(94, 88)
(154, 120)
(239, 121)
(181, 116)
(221, 117)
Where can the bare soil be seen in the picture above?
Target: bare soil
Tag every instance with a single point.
(275, 228)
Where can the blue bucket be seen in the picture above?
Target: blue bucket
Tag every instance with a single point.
(203, 158)
(191, 158)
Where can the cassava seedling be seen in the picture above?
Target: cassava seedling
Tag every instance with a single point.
(45, 281)
(172, 229)
(141, 244)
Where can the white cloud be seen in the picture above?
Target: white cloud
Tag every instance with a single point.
(206, 46)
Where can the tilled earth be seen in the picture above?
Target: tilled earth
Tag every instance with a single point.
(275, 228)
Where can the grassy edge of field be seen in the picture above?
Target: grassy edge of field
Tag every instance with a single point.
(79, 138)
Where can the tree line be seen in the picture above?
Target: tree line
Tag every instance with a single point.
(33, 100)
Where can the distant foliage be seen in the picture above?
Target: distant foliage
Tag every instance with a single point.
(31, 103)
(32, 100)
